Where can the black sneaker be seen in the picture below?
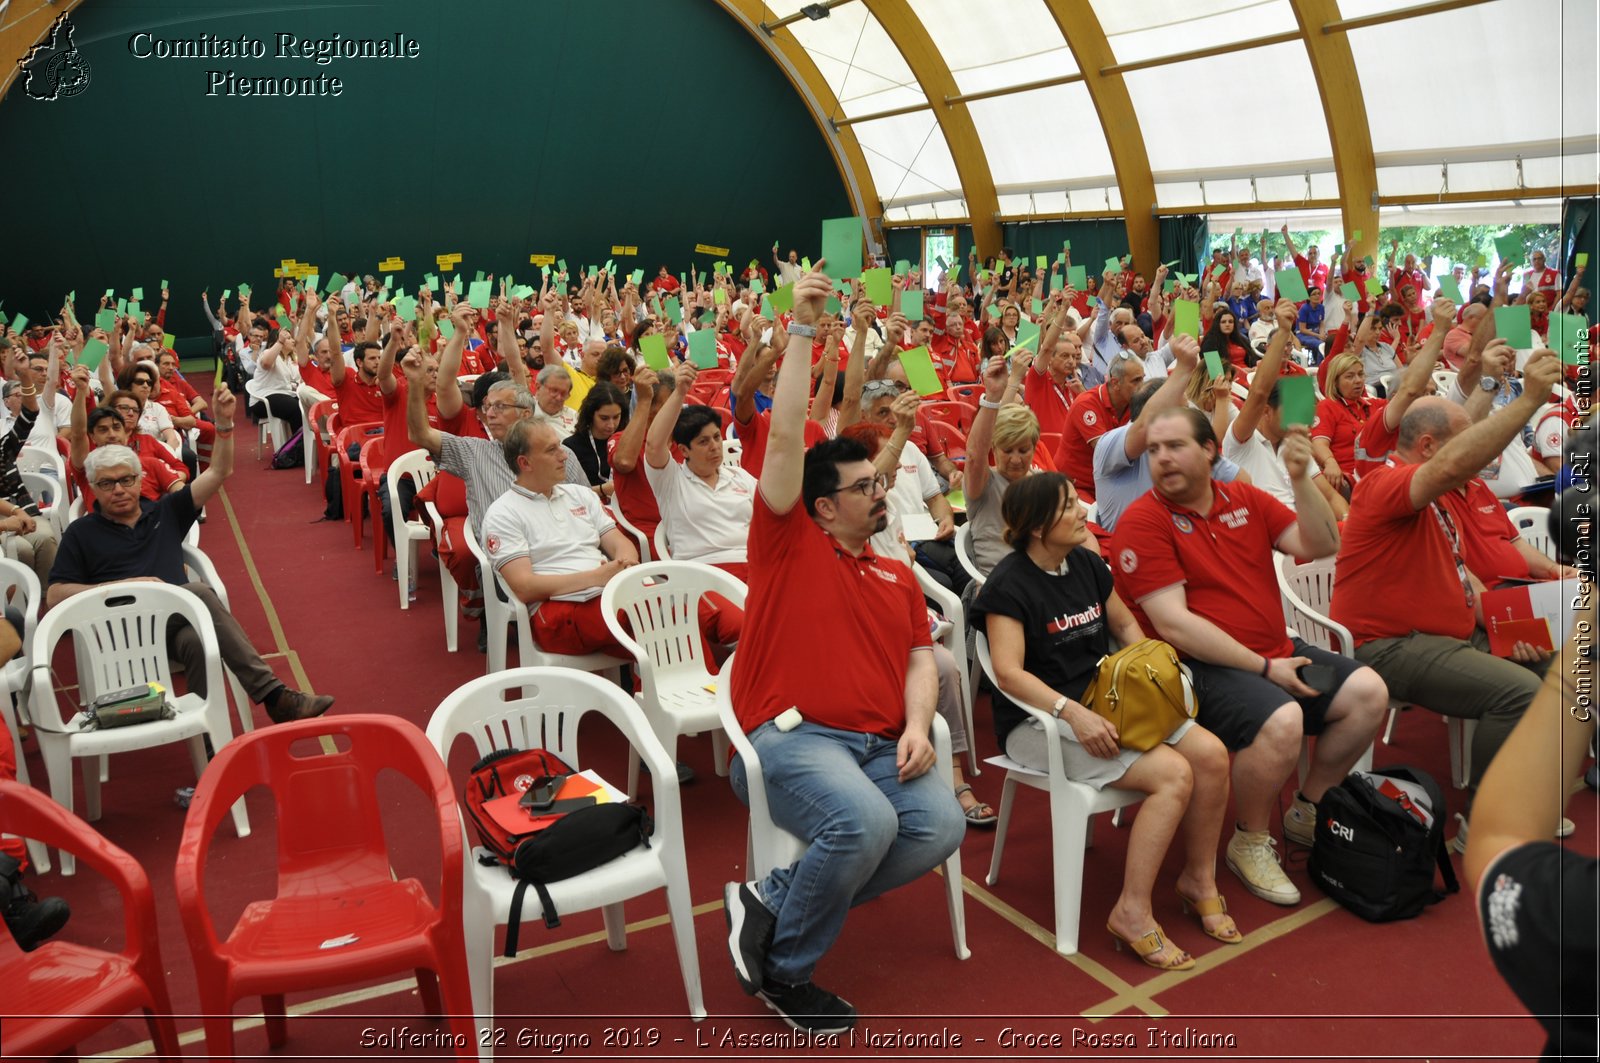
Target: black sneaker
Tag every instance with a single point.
(809, 1007)
(750, 927)
(32, 921)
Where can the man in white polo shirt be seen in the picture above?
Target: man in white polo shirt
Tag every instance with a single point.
(554, 545)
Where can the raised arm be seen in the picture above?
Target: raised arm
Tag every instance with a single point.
(1414, 382)
(391, 351)
(625, 458)
(753, 369)
(1000, 386)
(1186, 354)
(855, 370)
(1267, 371)
(448, 394)
(418, 428)
(783, 469)
(658, 440)
(213, 476)
(78, 431)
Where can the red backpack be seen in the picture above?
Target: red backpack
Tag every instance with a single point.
(502, 773)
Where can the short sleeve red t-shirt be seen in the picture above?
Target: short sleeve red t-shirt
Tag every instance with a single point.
(753, 439)
(397, 438)
(1374, 443)
(1223, 559)
(1090, 416)
(802, 584)
(1391, 553)
(359, 403)
(1048, 400)
(1340, 423)
(1488, 537)
(634, 495)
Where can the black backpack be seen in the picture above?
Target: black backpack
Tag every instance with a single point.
(1372, 851)
(292, 455)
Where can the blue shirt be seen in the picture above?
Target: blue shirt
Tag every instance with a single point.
(1119, 482)
(1310, 317)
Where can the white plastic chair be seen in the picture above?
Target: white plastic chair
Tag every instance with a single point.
(769, 846)
(1072, 804)
(663, 544)
(954, 639)
(661, 600)
(19, 588)
(448, 589)
(1443, 379)
(1533, 524)
(273, 431)
(49, 493)
(639, 538)
(201, 570)
(408, 533)
(964, 553)
(543, 712)
(501, 615)
(34, 458)
(1307, 592)
(120, 631)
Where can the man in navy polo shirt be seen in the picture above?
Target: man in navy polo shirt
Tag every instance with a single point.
(126, 538)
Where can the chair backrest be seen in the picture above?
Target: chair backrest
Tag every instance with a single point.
(321, 416)
(50, 494)
(953, 439)
(19, 589)
(33, 458)
(200, 567)
(964, 553)
(327, 801)
(769, 844)
(968, 393)
(661, 601)
(732, 453)
(120, 633)
(415, 464)
(539, 708)
(1307, 591)
(951, 412)
(662, 544)
(1533, 524)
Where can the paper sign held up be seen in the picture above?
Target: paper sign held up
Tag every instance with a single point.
(920, 374)
(1297, 402)
(709, 249)
(1449, 288)
(1186, 317)
(841, 247)
(703, 348)
(783, 298)
(1514, 325)
(674, 311)
(1078, 278)
(1291, 285)
(654, 351)
(480, 293)
(879, 285)
(911, 305)
(94, 352)
(1569, 337)
(1213, 365)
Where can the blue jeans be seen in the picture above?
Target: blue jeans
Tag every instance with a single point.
(868, 832)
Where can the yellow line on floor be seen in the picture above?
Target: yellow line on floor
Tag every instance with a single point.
(300, 678)
(404, 985)
(1126, 994)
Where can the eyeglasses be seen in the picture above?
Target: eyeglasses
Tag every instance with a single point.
(866, 488)
(118, 481)
(880, 387)
(499, 407)
(123, 407)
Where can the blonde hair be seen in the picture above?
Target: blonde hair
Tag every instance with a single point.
(1014, 426)
(1342, 364)
(1200, 384)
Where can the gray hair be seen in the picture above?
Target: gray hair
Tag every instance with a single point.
(101, 459)
(519, 440)
(519, 396)
(553, 372)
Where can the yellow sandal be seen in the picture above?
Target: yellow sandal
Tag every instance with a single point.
(1148, 945)
(1228, 933)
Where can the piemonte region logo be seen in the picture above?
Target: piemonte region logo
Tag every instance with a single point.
(56, 69)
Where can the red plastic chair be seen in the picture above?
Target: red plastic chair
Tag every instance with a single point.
(323, 420)
(61, 993)
(714, 376)
(349, 483)
(956, 413)
(953, 439)
(967, 393)
(339, 915)
(374, 453)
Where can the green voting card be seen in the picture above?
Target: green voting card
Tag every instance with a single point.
(106, 321)
(911, 305)
(880, 286)
(766, 308)
(336, 283)
(1078, 278)
(1569, 337)
(1113, 265)
(447, 328)
(920, 374)
(1351, 293)
(673, 309)
(1186, 317)
(841, 247)
(1514, 325)
(783, 298)
(405, 306)
(703, 348)
(902, 267)
(1582, 259)
(653, 349)
(1213, 365)
(93, 353)
(1374, 286)
(757, 286)
(1291, 285)
(720, 297)
(1509, 248)
(1297, 400)
(19, 323)
(480, 293)
(1041, 262)
(833, 306)
(1355, 237)
(1449, 288)
(637, 277)
(138, 295)
(1028, 335)
(1038, 305)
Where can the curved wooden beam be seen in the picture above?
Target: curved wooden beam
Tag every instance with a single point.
(1345, 112)
(907, 33)
(797, 65)
(1092, 52)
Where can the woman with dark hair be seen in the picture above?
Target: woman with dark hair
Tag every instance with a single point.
(602, 415)
(1051, 614)
(1225, 338)
(995, 345)
(616, 368)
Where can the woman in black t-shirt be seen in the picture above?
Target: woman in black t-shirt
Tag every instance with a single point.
(1050, 612)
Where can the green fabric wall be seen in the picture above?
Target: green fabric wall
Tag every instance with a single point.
(1093, 241)
(522, 128)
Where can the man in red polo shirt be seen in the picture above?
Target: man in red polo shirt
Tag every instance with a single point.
(1402, 587)
(1312, 270)
(1378, 436)
(1054, 382)
(1092, 415)
(1541, 278)
(843, 734)
(1195, 556)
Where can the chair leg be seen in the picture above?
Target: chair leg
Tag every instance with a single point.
(1460, 732)
(633, 773)
(451, 594)
(681, 912)
(456, 1000)
(719, 751)
(58, 768)
(219, 1033)
(380, 537)
(428, 991)
(616, 927)
(1388, 728)
(276, 1020)
(1008, 796)
(478, 934)
(405, 559)
(163, 1034)
(91, 792)
(241, 703)
(955, 901)
(1070, 827)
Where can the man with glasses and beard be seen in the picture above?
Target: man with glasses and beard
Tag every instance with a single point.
(847, 759)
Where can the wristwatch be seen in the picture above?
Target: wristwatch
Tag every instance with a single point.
(1059, 706)
(1488, 383)
(797, 329)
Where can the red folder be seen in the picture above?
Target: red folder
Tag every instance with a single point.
(510, 814)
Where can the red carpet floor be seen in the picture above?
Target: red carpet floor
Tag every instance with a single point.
(1311, 982)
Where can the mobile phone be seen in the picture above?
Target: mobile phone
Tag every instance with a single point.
(542, 794)
(1318, 677)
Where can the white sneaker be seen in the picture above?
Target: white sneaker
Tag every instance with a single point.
(1300, 821)
(1458, 844)
(1253, 856)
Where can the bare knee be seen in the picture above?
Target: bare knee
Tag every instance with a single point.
(1283, 732)
(1171, 770)
(1362, 699)
(1207, 756)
